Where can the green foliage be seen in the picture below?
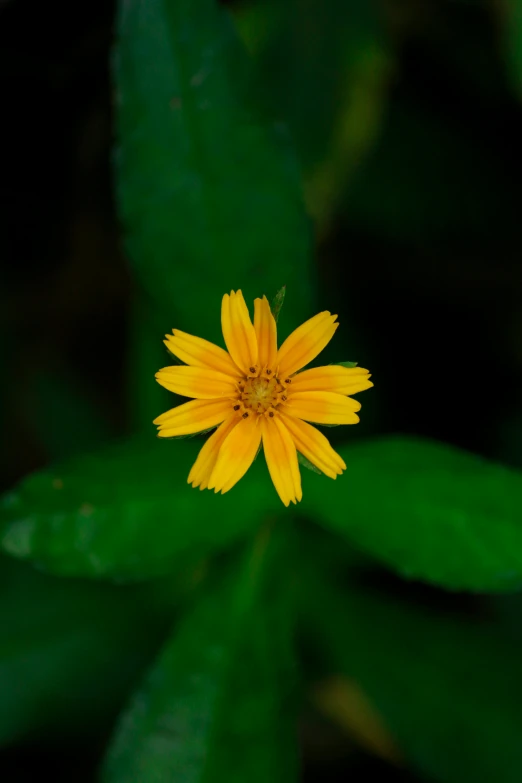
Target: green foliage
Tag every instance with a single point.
(446, 684)
(126, 512)
(57, 641)
(307, 464)
(209, 191)
(429, 511)
(277, 303)
(403, 189)
(82, 428)
(216, 705)
(194, 663)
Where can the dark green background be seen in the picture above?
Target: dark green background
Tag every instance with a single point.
(366, 154)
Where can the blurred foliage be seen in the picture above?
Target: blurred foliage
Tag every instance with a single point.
(367, 156)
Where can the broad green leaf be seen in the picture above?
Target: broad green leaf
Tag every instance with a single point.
(208, 190)
(428, 510)
(217, 706)
(128, 511)
(70, 652)
(446, 682)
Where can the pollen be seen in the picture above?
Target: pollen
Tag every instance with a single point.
(261, 394)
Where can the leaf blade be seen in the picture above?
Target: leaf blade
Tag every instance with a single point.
(127, 511)
(210, 709)
(429, 511)
(200, 174)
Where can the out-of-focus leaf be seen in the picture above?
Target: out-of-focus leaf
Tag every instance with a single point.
(146, 353)
(218, 704)
(325, 66)
(511, 11)
(429, 511)
(447, 685)
(66, 418)
(414, 183)
(70, 653)
(128, 511)
(343, 701)
(209, 194)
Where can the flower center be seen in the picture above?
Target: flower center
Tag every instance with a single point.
(260, 393)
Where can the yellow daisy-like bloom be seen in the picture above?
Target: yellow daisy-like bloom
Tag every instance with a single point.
(255, 394)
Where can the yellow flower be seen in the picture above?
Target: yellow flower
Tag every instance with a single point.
(256, 394)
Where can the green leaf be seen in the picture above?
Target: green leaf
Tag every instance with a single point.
(307, 464)
(429, 511)
(69, 653)
(446, 682)
(347, 364)
(277, 302)
(128, 511)
(218, 704)
(208, 190)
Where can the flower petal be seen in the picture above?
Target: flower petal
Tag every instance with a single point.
(266, 333)
(281, 458)
(314, 446)
(206, 459)
(322, 407)
(343, 380)
(198, 382)
(305, 342)
(191, 417)
(236, 454)
(239, 334)
(198, 352)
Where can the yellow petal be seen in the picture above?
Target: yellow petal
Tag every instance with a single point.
(236, 454)
(322, 407)
(238, 331)
(343, 380)
(266, 332)
(200, 353)
(198, 382)
(314, 446)
(206, 459)
(305, 342)
(281, 458)
(193, 416)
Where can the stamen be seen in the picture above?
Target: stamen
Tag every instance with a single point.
(260, 393)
